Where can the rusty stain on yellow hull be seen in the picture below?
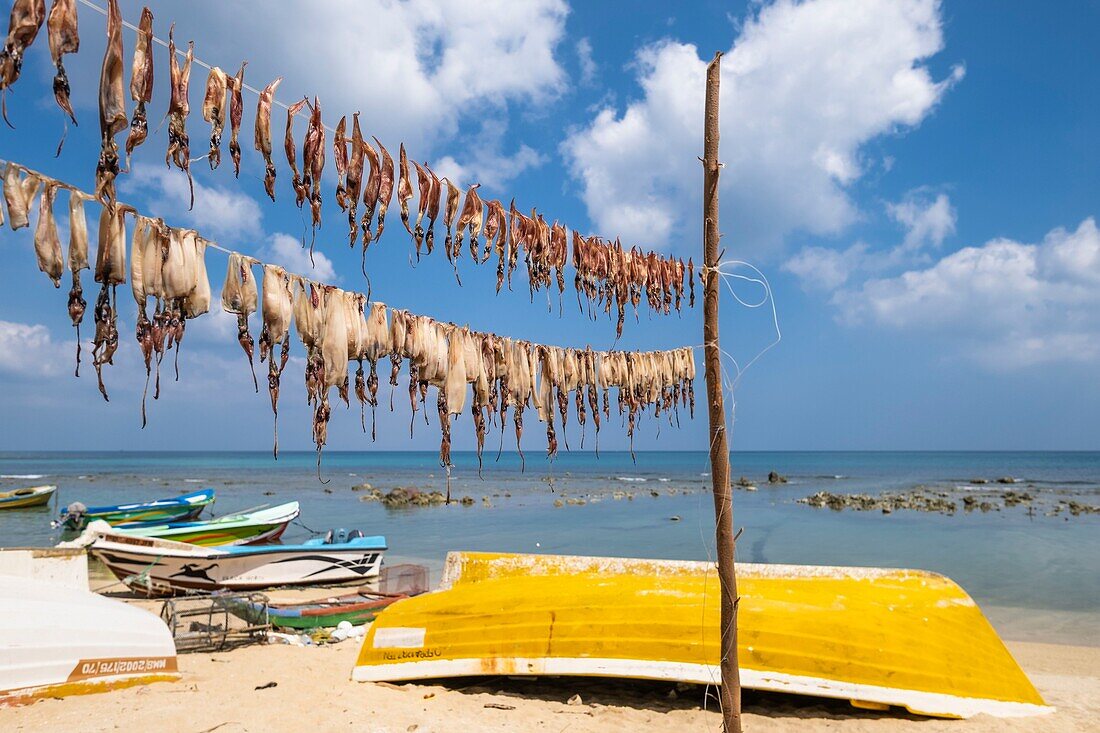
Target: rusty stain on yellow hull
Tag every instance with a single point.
(875, 637)
(81, 687)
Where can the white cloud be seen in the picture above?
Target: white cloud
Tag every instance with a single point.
(219, 212)
(486, 164)
(288, 252)
(928, 222)
(804, 87)
(1008, 303)
(821, 268)
(28, 350)
(586, 62)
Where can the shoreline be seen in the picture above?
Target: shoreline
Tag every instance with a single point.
(313, 691)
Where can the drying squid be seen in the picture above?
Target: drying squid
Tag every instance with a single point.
(332, 348)
(385, 188)
(19, 195)
(78, 260)
(313, 165)
(354, 305)
(112, 108)
(179, 145)
(433, 207)
(371, 192)
(239, 297)
(47, 243)
(340, 160)
(453, 195)
(404, 188)
(141, 82)
(277, 311)
(64, 37)
(496, 237)
(470, 217)
(353, 180)
(26, 21)
(398, 333)
(145, 281)
(377, 344)
(263, 134)
(213, 111)
(691, 283)
(236, 110)
(110, 272)
(300, 191)
(424, 186)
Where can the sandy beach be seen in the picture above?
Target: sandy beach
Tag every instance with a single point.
(312, 691)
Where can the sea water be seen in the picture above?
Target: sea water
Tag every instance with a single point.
(1036, 576)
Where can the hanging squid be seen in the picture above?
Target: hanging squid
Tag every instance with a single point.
(179, 145)
(385, 188)
(239, 297)
(19, 195)
(47, 243)
(64, 37)
(371, 192)
(25, 22)
(424, 186)
(277, 311)
(434, 197)
(141, 82)
(404, 188)
(112, 108)
(471, 217)
(213, 111)
(236, 110)
(300, 190)
(353, 180)
(110, 272)
(340, 160)
(78, 260)
(452, 252)
(313, 165)
(263, 134)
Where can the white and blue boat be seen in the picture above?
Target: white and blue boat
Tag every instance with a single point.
(164, 567)
(177, 509)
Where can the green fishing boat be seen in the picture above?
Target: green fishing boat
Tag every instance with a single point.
(245, 528)
(355, 608)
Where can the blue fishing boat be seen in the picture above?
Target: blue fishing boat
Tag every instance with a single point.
(177, 509)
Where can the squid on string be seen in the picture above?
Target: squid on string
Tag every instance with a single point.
(371, 192)
(110, 272)
(263, 134)
(19, 195)
(179, 107)
(213, 111)
(141, 83)
(353, 181)
(471, 217)
(236, 110)
(691, 283)
(239, 296)
(404, 189)
(377, 344)
(313, 165)
(25, 22)
(47, 242)
(354, 305)
(276, 314)
(146, 280)
(385, 188)
(434, 196)
(424, 186)
(398, 335)
(453, 195)
(340, 160)
(112, 108)
(496, 237)
(300, 190)
(64, 37)
(78, 260)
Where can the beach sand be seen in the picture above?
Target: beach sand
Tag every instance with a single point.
(313, 693)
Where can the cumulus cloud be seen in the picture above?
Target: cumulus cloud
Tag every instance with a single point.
(288, 252)
(804, 87)
(485, 162)
(822, 268)
(1008, 303)
(218, 212)
(927, 221)
(586, 62)
(28, 350)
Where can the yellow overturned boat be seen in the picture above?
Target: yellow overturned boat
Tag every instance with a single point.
(875, 637)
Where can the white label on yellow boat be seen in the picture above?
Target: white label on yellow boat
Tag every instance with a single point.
(398, 637)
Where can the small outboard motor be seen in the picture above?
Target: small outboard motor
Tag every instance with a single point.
(341, 536)
(74, 515)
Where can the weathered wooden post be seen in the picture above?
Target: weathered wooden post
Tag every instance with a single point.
(730, 694)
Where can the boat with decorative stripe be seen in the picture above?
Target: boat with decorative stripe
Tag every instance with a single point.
(245, 528)
(355, 608)
(176, 509)
(165, 567)
(875, 637)
(25, 497)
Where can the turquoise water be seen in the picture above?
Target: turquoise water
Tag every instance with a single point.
(1037, 575)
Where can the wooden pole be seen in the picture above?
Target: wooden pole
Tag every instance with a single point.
(730, 693)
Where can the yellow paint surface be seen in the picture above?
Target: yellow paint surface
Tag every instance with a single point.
(900, 629)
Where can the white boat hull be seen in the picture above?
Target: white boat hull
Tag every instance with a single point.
(57, 641)
(164, 567)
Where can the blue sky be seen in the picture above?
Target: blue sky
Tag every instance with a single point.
(917, 180)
